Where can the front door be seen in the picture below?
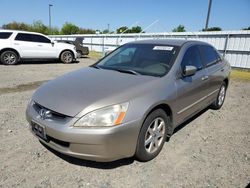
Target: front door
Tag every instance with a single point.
(191, 90)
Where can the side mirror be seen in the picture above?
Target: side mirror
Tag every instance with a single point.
(107, 53)
(189, 71)
(52, 42)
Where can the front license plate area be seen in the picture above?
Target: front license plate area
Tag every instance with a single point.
(39, 130)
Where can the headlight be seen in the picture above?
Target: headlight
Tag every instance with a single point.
(105, 117)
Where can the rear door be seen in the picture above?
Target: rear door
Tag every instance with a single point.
(191, 90)
(214, 67)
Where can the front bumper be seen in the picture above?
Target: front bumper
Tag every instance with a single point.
(96, 144)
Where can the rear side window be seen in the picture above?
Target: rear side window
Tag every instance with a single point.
(192, 57)
(210, 56)
(24, 37)
(32, 38)
(5, 35)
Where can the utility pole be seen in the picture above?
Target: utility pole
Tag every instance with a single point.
(50, 5)
(108, 27)
(208, 13)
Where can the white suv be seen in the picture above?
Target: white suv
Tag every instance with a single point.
(22, 45)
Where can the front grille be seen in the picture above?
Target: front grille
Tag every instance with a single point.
(54, 115)
(59, 142)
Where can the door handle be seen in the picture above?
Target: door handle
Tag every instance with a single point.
(39, 45)
(16, 43)
(204, 78)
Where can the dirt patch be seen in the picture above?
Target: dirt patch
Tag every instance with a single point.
(22, 87)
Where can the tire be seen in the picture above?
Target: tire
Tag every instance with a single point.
(67, 57)
(217, 104)
(152, 135)
(9, 58)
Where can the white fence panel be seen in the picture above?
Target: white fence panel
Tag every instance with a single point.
(234, 45)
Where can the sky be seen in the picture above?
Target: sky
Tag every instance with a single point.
(98, 14)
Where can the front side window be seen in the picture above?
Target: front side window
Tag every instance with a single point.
(210, 56)
(146, 59)
(5, 35)
(192, 58)
(40, 38)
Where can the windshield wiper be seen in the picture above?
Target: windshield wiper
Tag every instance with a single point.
(127, 71)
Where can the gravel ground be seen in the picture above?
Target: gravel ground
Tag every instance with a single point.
(212, 150)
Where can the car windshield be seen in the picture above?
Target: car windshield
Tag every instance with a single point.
(145, 59)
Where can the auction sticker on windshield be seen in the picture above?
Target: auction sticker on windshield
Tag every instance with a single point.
(167, 48)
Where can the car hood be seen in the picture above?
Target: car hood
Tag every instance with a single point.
(94, 88)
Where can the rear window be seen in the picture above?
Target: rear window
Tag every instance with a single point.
(210, 56)
(5, 35)
(24, 37)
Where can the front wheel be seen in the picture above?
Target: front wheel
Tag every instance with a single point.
(67, 57)
(152, 136)
(9, 58)
(217, 104)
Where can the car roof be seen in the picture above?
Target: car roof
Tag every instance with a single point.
(172, 42)
(18, 31)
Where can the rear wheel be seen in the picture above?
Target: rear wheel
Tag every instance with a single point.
(152, 135)
(67, 57)
(9, 57)
(217, 104)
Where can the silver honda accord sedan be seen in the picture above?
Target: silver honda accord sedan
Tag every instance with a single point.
(130, 101)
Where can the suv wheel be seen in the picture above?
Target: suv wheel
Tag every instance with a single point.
(217, 104)
(67, 57)
(9, 58)
(152, 135)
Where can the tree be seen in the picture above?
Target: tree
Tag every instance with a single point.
(69, 28)
(105, 31)
(246, 28)
(180, 28)
(136, 29)
(86, 31)
(212, 29)
(122, 29)
(16, 26)
(39, 27)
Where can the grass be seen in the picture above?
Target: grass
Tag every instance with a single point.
(95, 55)
(240, 74)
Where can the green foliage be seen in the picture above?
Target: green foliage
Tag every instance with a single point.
(16, 26)
(180, 28)
(69, 28)
(212, 29)
(125, 29)
(122, 29)
(86, 31)
(105, 31)
(39, 27)
(246, 28)
(136, 29)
